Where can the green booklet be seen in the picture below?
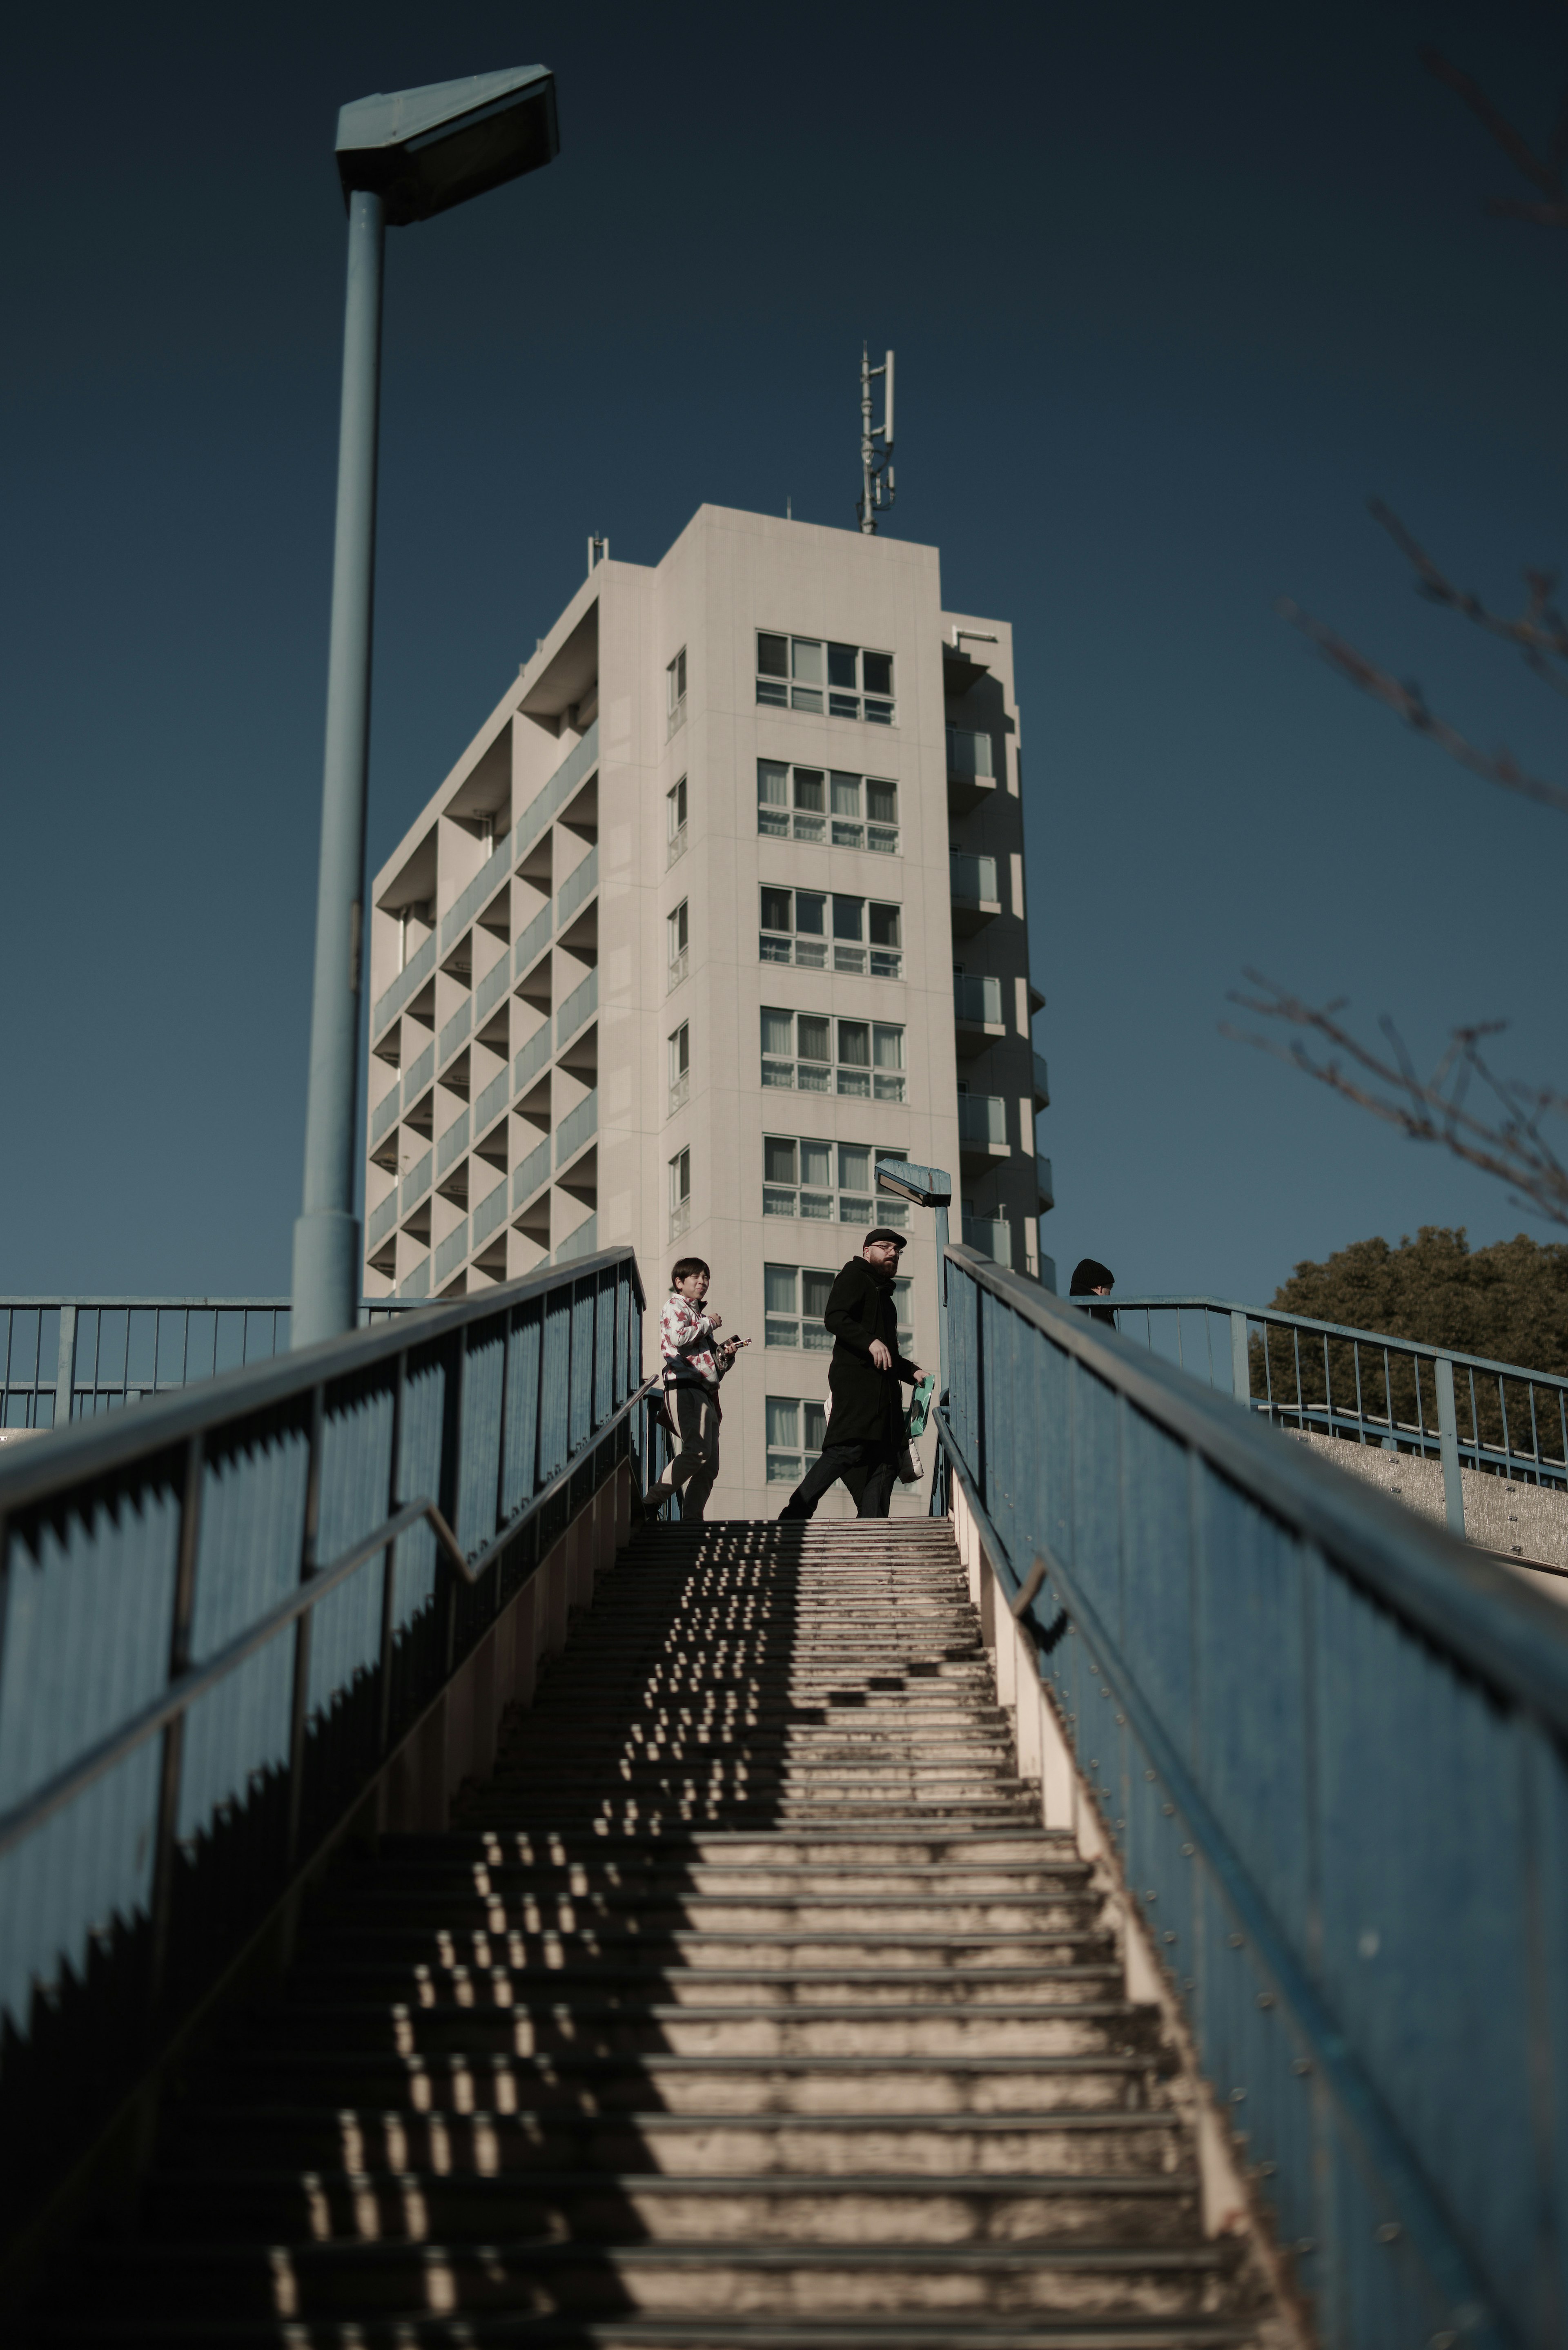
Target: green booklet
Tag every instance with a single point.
(920, 1407)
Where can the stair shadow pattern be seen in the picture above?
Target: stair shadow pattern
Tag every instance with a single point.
(747, 2004)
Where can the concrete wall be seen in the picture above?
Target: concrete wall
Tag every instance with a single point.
(1520, 1522)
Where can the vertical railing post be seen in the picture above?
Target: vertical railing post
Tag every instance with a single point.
(1448, 1445)
(390, 1568)
(1241, 1360)
(299, 1701)
(65, 1370)
(941, 1216)
(173, 1753)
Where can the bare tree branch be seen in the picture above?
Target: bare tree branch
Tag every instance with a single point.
(1508, 1145)
(1540, 634)
(1408, 701)
(1545, 175)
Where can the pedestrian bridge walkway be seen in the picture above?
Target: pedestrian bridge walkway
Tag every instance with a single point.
(1131, 1910)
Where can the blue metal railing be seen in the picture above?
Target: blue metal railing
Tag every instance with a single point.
(71, 1358)
(1326, 1378)
(1328, 1745)
(221, 1614)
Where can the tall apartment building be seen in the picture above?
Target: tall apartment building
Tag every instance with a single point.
(724, 901)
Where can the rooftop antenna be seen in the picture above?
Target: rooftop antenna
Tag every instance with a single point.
(598, 551)
(876, 465)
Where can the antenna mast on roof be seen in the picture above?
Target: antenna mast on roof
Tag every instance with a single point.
(876, 465)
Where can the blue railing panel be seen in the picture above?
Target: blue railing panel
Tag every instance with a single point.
(87, 1607)
(521, 1405)
(604, 1345)
(1332, 1747)
(622, 1310)
(356, 1490)
(479, 1483)
(582, 1363)
(1252, 1737)
(554, 1375)
(421, 1466)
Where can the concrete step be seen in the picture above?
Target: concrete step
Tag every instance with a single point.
(590, 2024)
(747, 1913)
(1100, 2144)
(396, 2207)
(435, 1950)
(722, 2279)
(462, 1848)
(577, 2080)
(682, 1982)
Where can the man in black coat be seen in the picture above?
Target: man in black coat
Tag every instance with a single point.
(866, 1426)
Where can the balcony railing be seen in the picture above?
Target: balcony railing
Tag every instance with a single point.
(678, 967)
(972, 878)
(977, 999)
(579, 884)
(530, 1172)
(408, 983)
(970, 755)
(490, 1212)
(982, 1121)
(454, 1030)
(676, 848)
(491, 989)
(990, 1236)
(451, 1251)
(1041, 1083)
(420, 1073)
(381, 1220)
(492, 1101)
(576, 1126)
(527, 1064)
(385, 1114)
(415, 1184)
(1043, 1179)
(452, 1143)
(579, 1007)
(531, 943)
(583, 1242)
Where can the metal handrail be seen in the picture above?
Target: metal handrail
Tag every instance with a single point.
(160, 1583)
(1278, 1316)
(181, 1695)
(1223, 1622)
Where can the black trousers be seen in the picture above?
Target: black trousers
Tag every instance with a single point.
(869, 1469)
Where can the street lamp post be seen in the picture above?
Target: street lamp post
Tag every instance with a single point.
(401, 158)
(927, 1186)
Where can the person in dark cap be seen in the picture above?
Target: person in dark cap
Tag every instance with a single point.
(865, 1424)
(1092, 1279)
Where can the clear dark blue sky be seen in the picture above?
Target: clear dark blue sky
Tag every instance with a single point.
(1172, 293)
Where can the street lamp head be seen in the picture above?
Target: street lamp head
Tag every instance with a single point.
(928, 1186)
(423, 150)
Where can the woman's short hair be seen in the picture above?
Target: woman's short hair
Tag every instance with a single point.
(684, 1266)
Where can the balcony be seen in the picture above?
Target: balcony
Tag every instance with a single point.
(532, 943)
(489, 1212)
(585, 1239)
(418, 1077)
(1041, 1083)
(977, 1011)
(530, 1172)
(579, 1006)
(408, 983)
(492, 1101)
(1042, 1176)
(989, 1236)
(576, 1128)
(983, 1125)
(452, 1143)
(414, 1185)
(971, 774)
(578, 886)
(973, 883)
(451, 1251)
(454, 1030)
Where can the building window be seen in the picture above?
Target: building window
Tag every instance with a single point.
(842, 680)
(796, 1429)
(679, 1064)
(827, 803)
(826, 1182)
(977, 997)
(814, 1055)
(677, 940)
(675, 823)
(675, 693)
(794, 1299)
(680, 1193)
(794, 929)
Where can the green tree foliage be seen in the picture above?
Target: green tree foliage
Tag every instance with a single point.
(1507, 1304)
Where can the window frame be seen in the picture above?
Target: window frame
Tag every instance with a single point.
(678, 942)
(788, 819)
(885, 1080)
(678, 1045)
(786, 1463)
(793, 687)
(832, 1202)
(681, 1191)
(829, 949)
(676, 810)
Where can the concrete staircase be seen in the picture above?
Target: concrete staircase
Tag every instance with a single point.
(748, 2004)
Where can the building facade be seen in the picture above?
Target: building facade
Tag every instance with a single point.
(724, 901)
